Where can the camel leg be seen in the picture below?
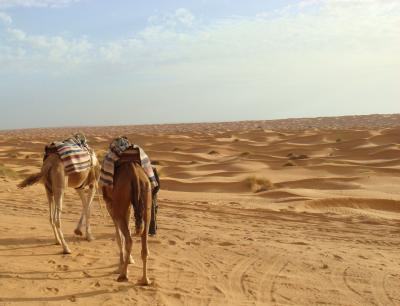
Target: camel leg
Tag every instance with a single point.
(81, 194)
(77, 230)
(120, 243)
(147, 216)
(52, 215)
(58, 198)
(128, 216)
(86, 202)
(123, 227)
(89, 201)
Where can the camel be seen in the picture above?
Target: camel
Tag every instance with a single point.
(131, 186)
(56, 180)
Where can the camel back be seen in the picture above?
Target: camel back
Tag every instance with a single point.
(131, 155)
(74, 157)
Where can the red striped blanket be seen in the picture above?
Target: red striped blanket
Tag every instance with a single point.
(117, 147)
(74, 157)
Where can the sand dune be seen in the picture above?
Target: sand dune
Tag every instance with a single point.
(285, 212)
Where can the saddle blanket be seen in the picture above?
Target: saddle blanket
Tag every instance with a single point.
(107, 168)
(74, 157)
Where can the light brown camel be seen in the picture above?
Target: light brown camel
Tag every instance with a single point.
(131, 187)
(56, 180)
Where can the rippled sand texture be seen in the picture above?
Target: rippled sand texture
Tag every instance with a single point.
(285, 212)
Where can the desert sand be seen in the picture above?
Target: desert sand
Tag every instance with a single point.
(284, 212)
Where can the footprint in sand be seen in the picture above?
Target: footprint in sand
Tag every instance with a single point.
(55, 290)
(63, 267)
(226, 243)
(337, 257)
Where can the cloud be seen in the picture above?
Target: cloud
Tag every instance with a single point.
(316, 57)
(181, 17)
(35, 3)
(309, 33)
(6, 19)
(27, 53)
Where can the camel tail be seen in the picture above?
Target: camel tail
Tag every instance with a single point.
(135, 199)
(31, 180)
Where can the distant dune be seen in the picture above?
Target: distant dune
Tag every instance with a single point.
(277, 212)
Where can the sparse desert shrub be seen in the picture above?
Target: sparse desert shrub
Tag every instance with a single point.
(258, 184)
(338, 140)
(244, 154)
(155, 162)
(213, 152)
(235, 140)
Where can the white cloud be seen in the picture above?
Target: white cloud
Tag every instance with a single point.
(311, 35)
(181, 17)
(43, 51)
(315, 57)
(6, 19)
(35, 3)
(184, 16)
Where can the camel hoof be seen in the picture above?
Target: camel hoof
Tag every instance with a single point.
(89, 237)
(67, 251)
(122, 278)
(78, 232)
(144, 282)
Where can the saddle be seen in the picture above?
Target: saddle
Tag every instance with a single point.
(131, 155)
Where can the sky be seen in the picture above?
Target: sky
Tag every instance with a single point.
(101, 62)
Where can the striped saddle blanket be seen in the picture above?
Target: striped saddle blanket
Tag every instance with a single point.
(74, 157)
(107, 169)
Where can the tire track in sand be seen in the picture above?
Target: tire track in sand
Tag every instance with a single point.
(236, 278)
(339, 280)
(361, 297)
(380, 293)
(268, 280)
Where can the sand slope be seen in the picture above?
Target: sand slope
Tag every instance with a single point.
(287, 212)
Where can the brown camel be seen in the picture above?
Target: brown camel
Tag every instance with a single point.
(131, 187)
(56, 181)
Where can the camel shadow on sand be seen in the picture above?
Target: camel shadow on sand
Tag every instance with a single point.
(67, 297)
(33, 242)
